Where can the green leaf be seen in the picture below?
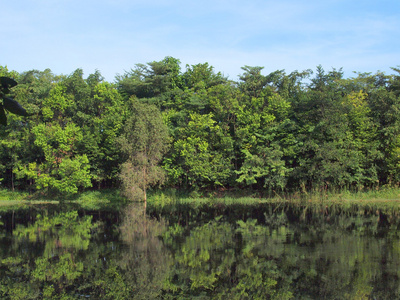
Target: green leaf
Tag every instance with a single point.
(14, 107)
(3, 117)
(7, 82)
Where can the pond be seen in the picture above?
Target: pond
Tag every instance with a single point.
(235, 252)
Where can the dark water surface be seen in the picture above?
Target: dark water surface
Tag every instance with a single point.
(261, 252)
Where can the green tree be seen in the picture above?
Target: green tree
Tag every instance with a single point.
(151, 80)
(384, 102)
(260, 135)
(144, 141)
(252, 82)
(15, 137)
(101, 117)
(201, 154)
(328, 155)
(62, 169)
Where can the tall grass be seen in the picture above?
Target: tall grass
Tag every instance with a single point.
(91, 200)
(384, 200)
(7, 195)
(100, 199)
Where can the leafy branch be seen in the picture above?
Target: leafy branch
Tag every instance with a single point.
(8, 103)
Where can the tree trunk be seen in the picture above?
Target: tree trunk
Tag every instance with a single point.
(12, 179)
(144, 190)
(145, 201)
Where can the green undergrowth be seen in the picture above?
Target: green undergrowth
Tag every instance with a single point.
(101, 200)
(10, 200)
(385, 199)
(89, 200)
(8, 195)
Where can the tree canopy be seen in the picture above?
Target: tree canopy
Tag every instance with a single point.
(272, 132)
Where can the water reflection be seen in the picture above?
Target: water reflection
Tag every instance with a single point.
(71, 255)
(144, 260)
(42, 259)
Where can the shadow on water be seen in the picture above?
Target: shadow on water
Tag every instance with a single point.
(235, 251)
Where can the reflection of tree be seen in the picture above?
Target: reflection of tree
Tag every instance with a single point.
(145, 262)
(207, 254)
(249, 260)
(341, 260)
(69, 259)
(217, 261)
(58, 268)
(56, 274)
(63, 257)
(63, 231)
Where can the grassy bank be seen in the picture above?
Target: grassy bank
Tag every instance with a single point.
(386, 199)
(91, 200)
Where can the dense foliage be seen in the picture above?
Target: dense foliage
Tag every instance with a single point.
(275, 132)
(259, 251)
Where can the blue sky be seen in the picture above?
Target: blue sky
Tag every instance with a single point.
(114, 35)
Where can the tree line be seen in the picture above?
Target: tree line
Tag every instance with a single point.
(197, 129)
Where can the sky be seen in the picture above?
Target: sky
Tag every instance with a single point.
(112, 36)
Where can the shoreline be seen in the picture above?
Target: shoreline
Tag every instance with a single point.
(386, 200)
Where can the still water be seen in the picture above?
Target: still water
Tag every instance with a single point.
(222, 253)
